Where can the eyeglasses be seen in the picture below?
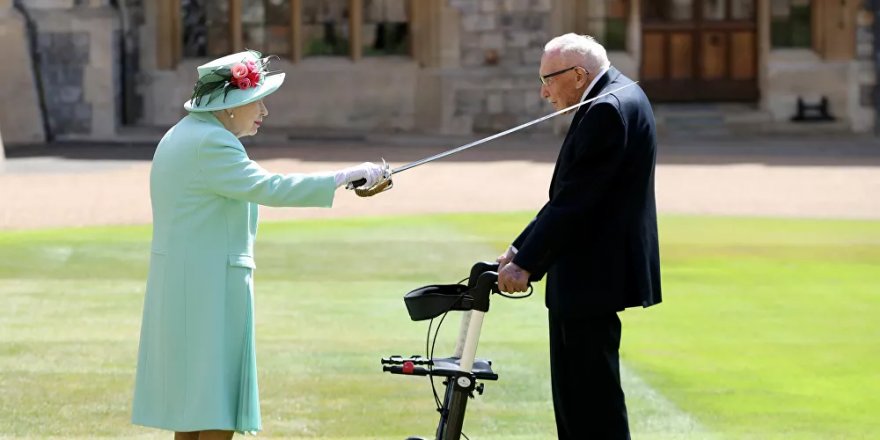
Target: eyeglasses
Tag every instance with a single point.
(544, 78)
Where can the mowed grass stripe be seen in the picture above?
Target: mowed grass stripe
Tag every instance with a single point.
(768, 330)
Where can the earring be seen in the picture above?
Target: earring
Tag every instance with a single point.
(231, 115)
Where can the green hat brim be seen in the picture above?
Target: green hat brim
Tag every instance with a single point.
(238, 97)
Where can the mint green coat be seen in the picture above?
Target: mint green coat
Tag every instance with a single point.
(197, 366)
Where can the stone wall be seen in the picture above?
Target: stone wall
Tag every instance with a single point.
(811, 74)
(487, 82)
(475, 70)
(508, 33)
(20, 116)
(322, 92)
(64, 57)
(501, 47)
(77, 50)
(801, 73)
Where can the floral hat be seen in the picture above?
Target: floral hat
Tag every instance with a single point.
(233, 81)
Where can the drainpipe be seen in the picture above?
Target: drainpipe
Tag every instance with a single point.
(35, 65)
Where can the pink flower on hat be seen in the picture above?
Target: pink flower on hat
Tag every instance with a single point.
(246, 74)
(245, 83)
(255, 77)
(239, 71)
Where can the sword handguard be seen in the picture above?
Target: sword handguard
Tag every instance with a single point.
(382, 186)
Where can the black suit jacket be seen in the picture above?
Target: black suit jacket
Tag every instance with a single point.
(596, 238)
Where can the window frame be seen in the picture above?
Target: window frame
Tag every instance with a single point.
(170, 23)
(828, 43)
(583, 22)
(814, 25)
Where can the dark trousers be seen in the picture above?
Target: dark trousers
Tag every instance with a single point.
(585, 372)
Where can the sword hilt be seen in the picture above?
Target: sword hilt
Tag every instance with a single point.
(362, 182)
(384, 183)
(382, 186)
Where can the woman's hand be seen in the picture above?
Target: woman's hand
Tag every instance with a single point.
(368, 171)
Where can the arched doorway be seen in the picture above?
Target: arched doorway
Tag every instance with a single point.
(699, 50)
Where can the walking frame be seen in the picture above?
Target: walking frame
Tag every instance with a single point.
(462, 370)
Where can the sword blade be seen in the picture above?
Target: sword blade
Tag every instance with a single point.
(503, 133)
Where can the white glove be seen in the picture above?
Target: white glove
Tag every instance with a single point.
(368, 171)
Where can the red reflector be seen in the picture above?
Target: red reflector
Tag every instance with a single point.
(408, 367)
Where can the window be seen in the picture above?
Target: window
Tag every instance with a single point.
(292, 28)
(608, 23)
(742, 10)
(265, 26)
(714, 9)
(704, 10)
(326, 27)
(791, 22)
(669, 10)
(386, 28)
(205, 28)
(719, 10)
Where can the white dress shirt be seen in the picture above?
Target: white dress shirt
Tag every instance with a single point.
(592, 83)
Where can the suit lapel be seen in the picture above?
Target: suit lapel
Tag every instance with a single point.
(581, 111)
(599, 88)
(602, 85)
(609, 77)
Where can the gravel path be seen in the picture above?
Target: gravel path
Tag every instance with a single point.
(84, 185)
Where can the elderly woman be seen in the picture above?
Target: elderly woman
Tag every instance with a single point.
(197, 368)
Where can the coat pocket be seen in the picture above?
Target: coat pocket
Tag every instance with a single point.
(242, 261)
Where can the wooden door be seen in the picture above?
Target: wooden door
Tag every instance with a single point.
(699, 50)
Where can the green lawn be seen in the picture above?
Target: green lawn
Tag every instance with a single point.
(770, 329)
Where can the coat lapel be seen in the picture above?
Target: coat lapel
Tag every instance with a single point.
(600, 87)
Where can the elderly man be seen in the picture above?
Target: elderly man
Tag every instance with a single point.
(596, 237)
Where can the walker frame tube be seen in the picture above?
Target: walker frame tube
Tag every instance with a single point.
(461, 386)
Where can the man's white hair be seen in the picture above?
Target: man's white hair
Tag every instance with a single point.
(580, 50)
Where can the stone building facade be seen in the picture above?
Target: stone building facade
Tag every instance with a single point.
(84, 69)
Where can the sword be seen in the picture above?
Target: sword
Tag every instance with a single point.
(386, 184)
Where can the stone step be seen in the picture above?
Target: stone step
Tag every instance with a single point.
(718, 120)
(686, 120)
